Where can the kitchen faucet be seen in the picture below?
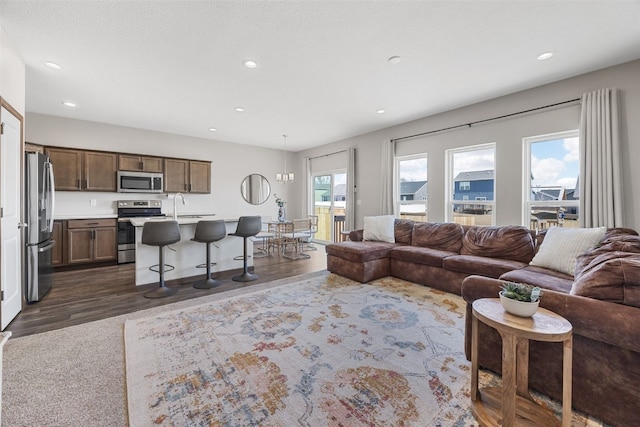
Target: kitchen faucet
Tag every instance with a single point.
(175, 204)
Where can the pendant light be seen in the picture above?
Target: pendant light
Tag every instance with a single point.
(284, 176)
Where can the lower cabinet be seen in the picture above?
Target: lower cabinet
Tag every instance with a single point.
(91, 241)
(57, 253)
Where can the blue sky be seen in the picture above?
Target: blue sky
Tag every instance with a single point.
(555, 162)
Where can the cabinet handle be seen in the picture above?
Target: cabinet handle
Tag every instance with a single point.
(93, 223)
(142, 165)
(78, 184)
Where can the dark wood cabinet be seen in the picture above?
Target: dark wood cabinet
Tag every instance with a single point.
(57, 253)
(91, 240)
(199, 177)
(99, 171)
(187, 176)
(135, 163)
(67, 166)
(78, 170)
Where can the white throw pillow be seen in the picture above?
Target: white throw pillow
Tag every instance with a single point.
(561, 247)
(379, 228)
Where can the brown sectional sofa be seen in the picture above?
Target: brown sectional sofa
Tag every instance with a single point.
(602, 300)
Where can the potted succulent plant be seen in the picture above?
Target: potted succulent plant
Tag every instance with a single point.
(520, 299)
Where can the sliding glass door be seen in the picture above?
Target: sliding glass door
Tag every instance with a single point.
(329, 202)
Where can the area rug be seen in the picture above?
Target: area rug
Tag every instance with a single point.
(323, 351)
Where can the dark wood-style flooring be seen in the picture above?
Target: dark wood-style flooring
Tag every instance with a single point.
(81, 296)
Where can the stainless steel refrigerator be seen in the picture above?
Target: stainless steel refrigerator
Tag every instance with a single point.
(40, 200)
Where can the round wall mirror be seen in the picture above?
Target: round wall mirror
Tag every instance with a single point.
(255, 189)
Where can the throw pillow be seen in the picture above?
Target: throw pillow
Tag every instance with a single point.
(561, 247)
(379, 228)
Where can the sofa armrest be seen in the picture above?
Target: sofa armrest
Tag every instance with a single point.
(356, 235)
(611, 323)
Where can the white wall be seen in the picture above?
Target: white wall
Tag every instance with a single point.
(230, 164)
(507, 134)
(12, 74)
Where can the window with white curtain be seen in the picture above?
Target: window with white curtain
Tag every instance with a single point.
(471, 184)
(551, 185)
(411, 187)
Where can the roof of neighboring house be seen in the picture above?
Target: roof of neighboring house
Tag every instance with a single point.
(411, 187)
(475, 175)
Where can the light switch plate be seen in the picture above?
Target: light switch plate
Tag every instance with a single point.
(93, 202)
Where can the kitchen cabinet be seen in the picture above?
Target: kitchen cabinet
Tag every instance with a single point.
(78, 170)
(91, 240)
(136, 163)
(67, 167)
(57, 253)
(187, 176)
(33, 148)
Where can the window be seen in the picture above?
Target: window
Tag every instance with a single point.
(471, 170)
(411, 187)
(551, 184)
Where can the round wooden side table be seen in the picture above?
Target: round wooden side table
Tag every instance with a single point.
(511, 404)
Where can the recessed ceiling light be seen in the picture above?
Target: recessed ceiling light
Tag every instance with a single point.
(250, 63)
(394, 60)
(53, 65)
(545, 55)
(68, 104)
(381, 111)
(212, 129)
(239, 109)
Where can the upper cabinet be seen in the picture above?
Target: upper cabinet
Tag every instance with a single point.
(133, 162)
(187, 176)
(78, 170)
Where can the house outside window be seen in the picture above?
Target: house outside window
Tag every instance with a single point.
(551, 180)
(471, 178)
(411, 187)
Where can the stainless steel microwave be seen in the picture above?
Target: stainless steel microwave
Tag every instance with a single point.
(140, 182)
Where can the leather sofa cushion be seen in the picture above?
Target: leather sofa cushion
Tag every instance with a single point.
(403, 231)
(508, 242)
(483, 266)
(541, 277)
(614, 243)
(446, 236)
(360, 251)
(611, 276)
(418, 255)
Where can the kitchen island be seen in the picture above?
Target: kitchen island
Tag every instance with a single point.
(188, 254)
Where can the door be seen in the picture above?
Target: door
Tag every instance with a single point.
(329, 204)
(10, 241)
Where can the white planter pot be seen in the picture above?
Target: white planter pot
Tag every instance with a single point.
(519, 308)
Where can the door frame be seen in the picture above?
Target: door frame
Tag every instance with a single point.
(7, 106)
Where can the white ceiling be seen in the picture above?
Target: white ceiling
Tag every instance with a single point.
(176, 66)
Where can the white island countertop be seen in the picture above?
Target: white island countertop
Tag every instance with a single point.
(186, 254)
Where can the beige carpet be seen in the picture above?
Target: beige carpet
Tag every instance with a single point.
(76, 376)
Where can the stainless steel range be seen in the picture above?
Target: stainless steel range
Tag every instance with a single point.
(126, 231)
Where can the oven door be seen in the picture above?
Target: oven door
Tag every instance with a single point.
(126, 241)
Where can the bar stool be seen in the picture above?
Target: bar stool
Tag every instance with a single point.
(248, 226)
(208, 232)
(160, 234)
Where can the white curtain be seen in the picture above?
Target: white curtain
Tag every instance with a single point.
(349, 220)
(307, 190)
(386, 169)
(600, 177)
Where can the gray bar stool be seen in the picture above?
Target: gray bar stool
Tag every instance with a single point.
(208, 232)
(160, 234)
(248, 226)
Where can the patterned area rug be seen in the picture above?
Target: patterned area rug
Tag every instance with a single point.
(323, 351)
